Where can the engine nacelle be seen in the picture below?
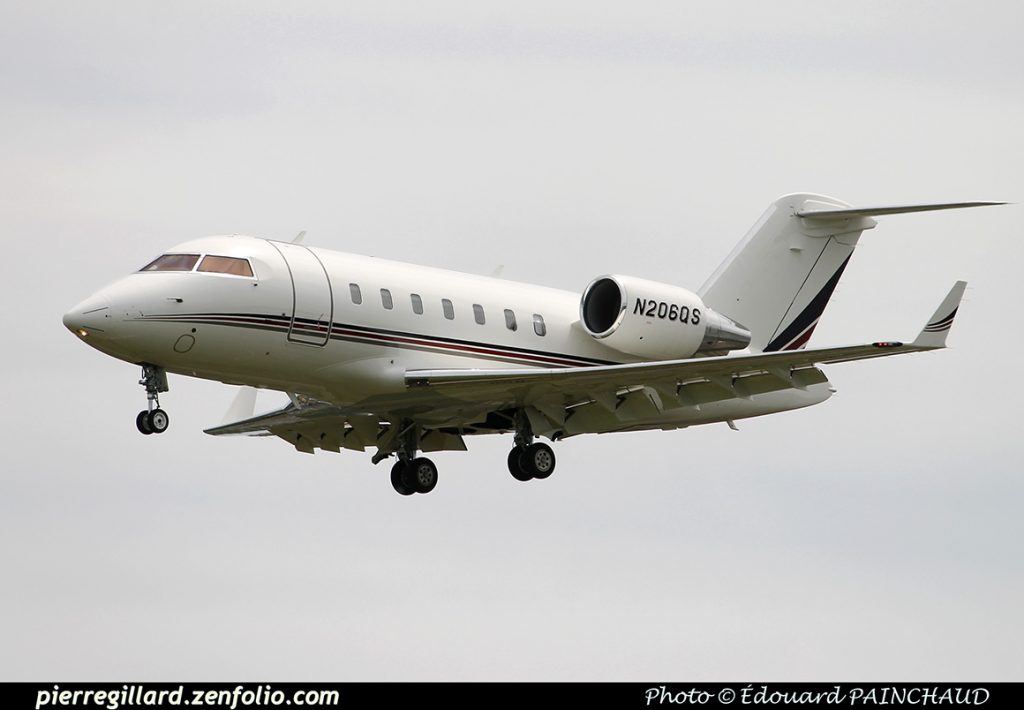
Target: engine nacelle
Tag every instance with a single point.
(654, 320)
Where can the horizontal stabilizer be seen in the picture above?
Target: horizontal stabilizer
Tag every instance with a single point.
(934, 333)
(876, 211)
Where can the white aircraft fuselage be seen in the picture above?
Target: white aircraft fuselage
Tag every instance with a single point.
(293, 326)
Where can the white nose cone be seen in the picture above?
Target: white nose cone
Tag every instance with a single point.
(88, 316)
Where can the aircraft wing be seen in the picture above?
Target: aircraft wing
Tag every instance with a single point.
(311, 424)
(289, 415)
(671, 377)
(583, 379)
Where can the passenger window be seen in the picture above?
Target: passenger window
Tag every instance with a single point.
(478, 313)
(448, 308)
(357, 295)
(385, 299)
(225, 265)
(510, 319)
(538, 324)
(417, 303)
(172, 262)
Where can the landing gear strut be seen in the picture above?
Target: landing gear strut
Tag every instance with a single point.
(528, 460)
(153, 420)
(412, 474)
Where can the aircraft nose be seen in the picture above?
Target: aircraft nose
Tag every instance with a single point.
(87, 317)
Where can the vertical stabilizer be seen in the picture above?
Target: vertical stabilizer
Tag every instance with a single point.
(779, 278)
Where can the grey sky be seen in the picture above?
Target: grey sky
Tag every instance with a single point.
(877, 535)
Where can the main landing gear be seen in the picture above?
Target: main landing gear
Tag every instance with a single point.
(153, 420)
(414, 474)
(418, 475)
(411, 473)
(528, 460)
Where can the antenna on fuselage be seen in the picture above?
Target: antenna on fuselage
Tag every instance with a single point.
(299, 237)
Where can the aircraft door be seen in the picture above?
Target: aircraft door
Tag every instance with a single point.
(312, 299)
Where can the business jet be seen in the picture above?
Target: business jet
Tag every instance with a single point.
(407, 359)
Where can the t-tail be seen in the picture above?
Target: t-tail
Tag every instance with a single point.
(779, 278)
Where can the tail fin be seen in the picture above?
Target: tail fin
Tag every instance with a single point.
(779, 278)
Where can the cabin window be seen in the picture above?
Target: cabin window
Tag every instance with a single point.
(417, 303)
(357, 295)
(172, 262)
(448, 308)
(538, 324)
(225, 265)
(478, 313)
(510, 319)
(385, 299)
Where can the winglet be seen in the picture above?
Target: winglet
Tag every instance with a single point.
(933, 335)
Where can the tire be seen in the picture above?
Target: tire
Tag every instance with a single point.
(158, 421)
(398, 479)
(539, 460)
(423, 474)
(142, 423)
(513, 465)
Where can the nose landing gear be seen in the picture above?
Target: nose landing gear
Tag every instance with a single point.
(153, 420)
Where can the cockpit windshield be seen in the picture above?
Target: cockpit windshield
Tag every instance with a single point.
(210, 264)
(226, 265)
(172, 262)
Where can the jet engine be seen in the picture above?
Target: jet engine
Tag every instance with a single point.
(655, 321)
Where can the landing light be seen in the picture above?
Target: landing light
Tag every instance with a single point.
(83, 332)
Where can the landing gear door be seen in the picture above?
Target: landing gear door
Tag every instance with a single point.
(312, 300)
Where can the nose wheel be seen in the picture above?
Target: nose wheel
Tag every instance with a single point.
(153, 420)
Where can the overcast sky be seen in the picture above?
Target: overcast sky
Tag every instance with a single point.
(875, 536)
